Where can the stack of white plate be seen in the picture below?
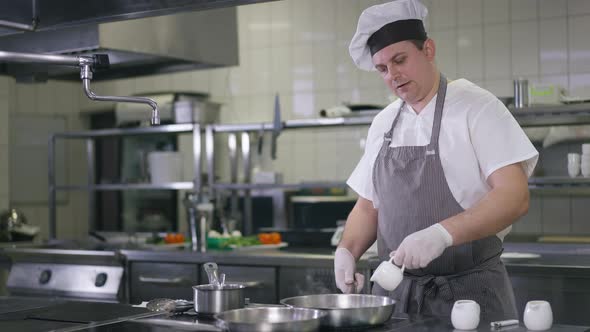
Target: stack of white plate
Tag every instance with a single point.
(585, 160)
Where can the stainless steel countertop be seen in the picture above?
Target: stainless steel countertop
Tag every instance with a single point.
(552, 256)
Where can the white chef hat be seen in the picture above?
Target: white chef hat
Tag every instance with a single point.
(386, 24)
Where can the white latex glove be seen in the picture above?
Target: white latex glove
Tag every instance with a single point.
(418, 249)
(344, 270)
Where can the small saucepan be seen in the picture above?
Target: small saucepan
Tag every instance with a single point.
(213, 299)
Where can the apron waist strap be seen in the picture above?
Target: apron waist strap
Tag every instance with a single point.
(438, 286)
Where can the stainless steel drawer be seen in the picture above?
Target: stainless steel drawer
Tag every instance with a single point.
(260, 282)
(150, 280)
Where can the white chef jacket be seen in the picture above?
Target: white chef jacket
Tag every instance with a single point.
(478, 136)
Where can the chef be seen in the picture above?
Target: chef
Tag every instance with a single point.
(442, 179)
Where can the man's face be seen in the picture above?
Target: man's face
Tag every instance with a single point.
(407, 71)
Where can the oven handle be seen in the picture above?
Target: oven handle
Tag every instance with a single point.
(165, 281)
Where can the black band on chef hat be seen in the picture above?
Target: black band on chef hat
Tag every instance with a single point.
(394, 32)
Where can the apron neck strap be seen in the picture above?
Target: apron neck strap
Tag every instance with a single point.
(440, 102)
(438, 110)
(390, 132)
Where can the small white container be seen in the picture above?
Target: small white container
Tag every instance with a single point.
(165, 167)
(538, 316)
(387, 275)
(573, 164)
(465, 315)
(586, 148)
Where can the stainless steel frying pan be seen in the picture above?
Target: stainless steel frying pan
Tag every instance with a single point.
(346, 310)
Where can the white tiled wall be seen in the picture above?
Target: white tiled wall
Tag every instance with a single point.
(299, 49)
(54, 98)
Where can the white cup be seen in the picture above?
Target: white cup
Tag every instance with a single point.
(387, 275)
(465, 315)
(573, 164)
(538, 315)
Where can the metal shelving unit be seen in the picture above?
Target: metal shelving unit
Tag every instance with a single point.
(527, 117)
(553, 115)
(91, 186)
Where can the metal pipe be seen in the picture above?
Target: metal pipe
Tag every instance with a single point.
(86, 75)
(55, 59)
(245, 141)
(16, 26)
(91, 181)
(52, 190)
(197, 181)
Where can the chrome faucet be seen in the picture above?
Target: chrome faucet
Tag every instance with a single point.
(203, 212)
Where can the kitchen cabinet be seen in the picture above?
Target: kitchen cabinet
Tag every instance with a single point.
(568, 291)
(150, 280)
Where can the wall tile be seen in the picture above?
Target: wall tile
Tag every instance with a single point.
(469, 12)
(578, 7)
(347, 14)
(444, 14)
(302, 68)
(4, 202)
(496, 42)
(200, 81)
(26, 98)
(4, 175)
(305, 156)
(281, 76)
(552, 8)
(523, 10)
(552, 46)
(347, 74)
(302, 18)
(556, 215)
(324, 66)
(579, 85)
(525, 49)
(303, 104)
(324, 21)
(243, 21)
(496, 11)
(446, 51)
(500, 88)
(220, 83)
(281, 31)
(579, 44)
(470, 53)
(259, 74)
(259, 26)
(261, 108)
(580, 216)
(531, 222)
(4, 121)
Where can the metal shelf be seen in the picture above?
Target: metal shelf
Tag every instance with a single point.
(559, 181)
(552, 115)
(130, 186)
(164, 129)
(294, 186)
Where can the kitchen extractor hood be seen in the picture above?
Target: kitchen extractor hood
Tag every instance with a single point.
(183, 41)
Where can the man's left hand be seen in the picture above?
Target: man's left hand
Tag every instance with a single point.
(418, 249)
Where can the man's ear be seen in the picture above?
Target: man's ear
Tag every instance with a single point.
(429, 49)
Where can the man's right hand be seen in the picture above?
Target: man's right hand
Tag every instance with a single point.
(344, 270)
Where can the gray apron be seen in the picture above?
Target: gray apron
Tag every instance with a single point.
(411, 187)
